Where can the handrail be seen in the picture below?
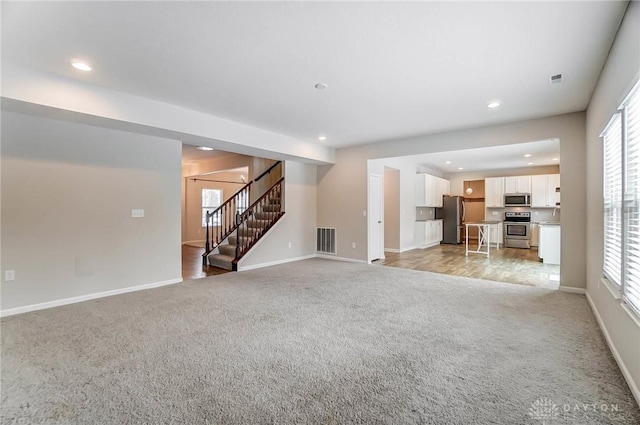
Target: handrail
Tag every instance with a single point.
(267, 171)
(253, 234)
(228, 219)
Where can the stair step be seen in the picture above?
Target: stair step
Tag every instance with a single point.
(229, 250)
(271, 208)
(243, 240)
(221, 260)
(254, 223)
(265, 215)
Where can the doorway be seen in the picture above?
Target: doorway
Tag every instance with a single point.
(376, 211)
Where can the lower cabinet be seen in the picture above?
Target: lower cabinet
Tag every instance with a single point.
(495, 234)
(535, 234)
(550, 242)
(428, 233)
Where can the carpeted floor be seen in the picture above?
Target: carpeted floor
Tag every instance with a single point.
(315, 342)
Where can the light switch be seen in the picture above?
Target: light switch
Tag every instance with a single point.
(9, 275)
(137, 213)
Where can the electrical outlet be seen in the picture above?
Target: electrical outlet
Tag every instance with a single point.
(137, 213)
(364, 213)
(494, 213)
(9, 275)
(536, 213)
(289, 244)
(353, 245)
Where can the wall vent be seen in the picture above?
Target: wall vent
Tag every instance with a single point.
(326, 240)
(555, 79)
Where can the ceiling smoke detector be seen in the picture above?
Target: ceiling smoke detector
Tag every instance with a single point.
(321, 86)
(555, 79)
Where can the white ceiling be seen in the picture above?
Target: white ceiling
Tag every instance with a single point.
(545, 152)
(394, 69)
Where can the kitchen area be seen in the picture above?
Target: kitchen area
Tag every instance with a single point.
(513, 220)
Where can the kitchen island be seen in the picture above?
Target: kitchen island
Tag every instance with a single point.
(484, 237)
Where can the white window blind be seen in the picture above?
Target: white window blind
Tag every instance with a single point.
(612, 188)
(631, 233)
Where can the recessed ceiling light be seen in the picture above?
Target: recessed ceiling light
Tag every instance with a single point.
(321, 86)
(322, 138)
(460, 168)
(81, 66)
(448, 162)
(527, 155)
(204, 148)
(493, 104)
(554, 159)
(529, 163)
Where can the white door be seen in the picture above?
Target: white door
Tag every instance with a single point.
(375, 217)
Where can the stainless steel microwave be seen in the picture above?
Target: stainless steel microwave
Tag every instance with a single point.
(517, 199)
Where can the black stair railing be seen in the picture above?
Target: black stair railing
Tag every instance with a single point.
(224, 220)
(258, 218)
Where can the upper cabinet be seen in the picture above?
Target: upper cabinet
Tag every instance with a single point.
(545, 191)
(429, 190)
(494, 192)
(517, 184)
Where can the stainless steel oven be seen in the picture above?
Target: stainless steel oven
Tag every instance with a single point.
(517, 231)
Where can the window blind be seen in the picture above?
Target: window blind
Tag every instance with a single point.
(612, 188)
(631, 251)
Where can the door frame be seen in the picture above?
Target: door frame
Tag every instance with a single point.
(371, 226)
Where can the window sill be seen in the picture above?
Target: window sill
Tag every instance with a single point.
(613, 290)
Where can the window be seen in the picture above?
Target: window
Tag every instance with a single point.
(211, 199)
(621, 189)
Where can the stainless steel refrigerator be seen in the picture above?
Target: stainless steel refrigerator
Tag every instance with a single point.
(452, 215)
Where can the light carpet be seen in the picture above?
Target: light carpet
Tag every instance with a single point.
(315, 342)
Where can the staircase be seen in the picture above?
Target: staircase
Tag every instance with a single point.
(242, 230)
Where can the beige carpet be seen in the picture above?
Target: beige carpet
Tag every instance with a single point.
(315, 342)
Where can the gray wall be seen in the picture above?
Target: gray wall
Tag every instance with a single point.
(342, 187)
(619, 74)
(67, 194)
(391, 209)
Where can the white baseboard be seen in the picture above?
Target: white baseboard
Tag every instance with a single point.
(623, 368)
(242, 268)
(392, 250)
(188, 242)
(336, 258)
(572, 290)
(81, 298)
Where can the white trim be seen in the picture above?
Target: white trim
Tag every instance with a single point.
(87, 297)
(348, 260)
(572, 290)
(613, 290)
(623, 368)
(397, 251)
(188, 242)
(273, 263)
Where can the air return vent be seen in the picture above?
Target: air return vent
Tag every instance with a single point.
(326, 240)
(555, 79)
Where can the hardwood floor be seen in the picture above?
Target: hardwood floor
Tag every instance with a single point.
(510, 265)
(192, 267)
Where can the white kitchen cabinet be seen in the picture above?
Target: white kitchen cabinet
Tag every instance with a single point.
(428, 233)
(549, 243)
(495, 234)
(429, 190)
(545, 191)
(494, 192)
(517, 184)
(420, 232)
(535, 234)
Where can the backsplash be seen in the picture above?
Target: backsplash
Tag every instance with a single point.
(537, 214)
(425, 213)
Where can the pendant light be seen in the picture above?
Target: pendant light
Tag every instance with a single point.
(469, 189)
